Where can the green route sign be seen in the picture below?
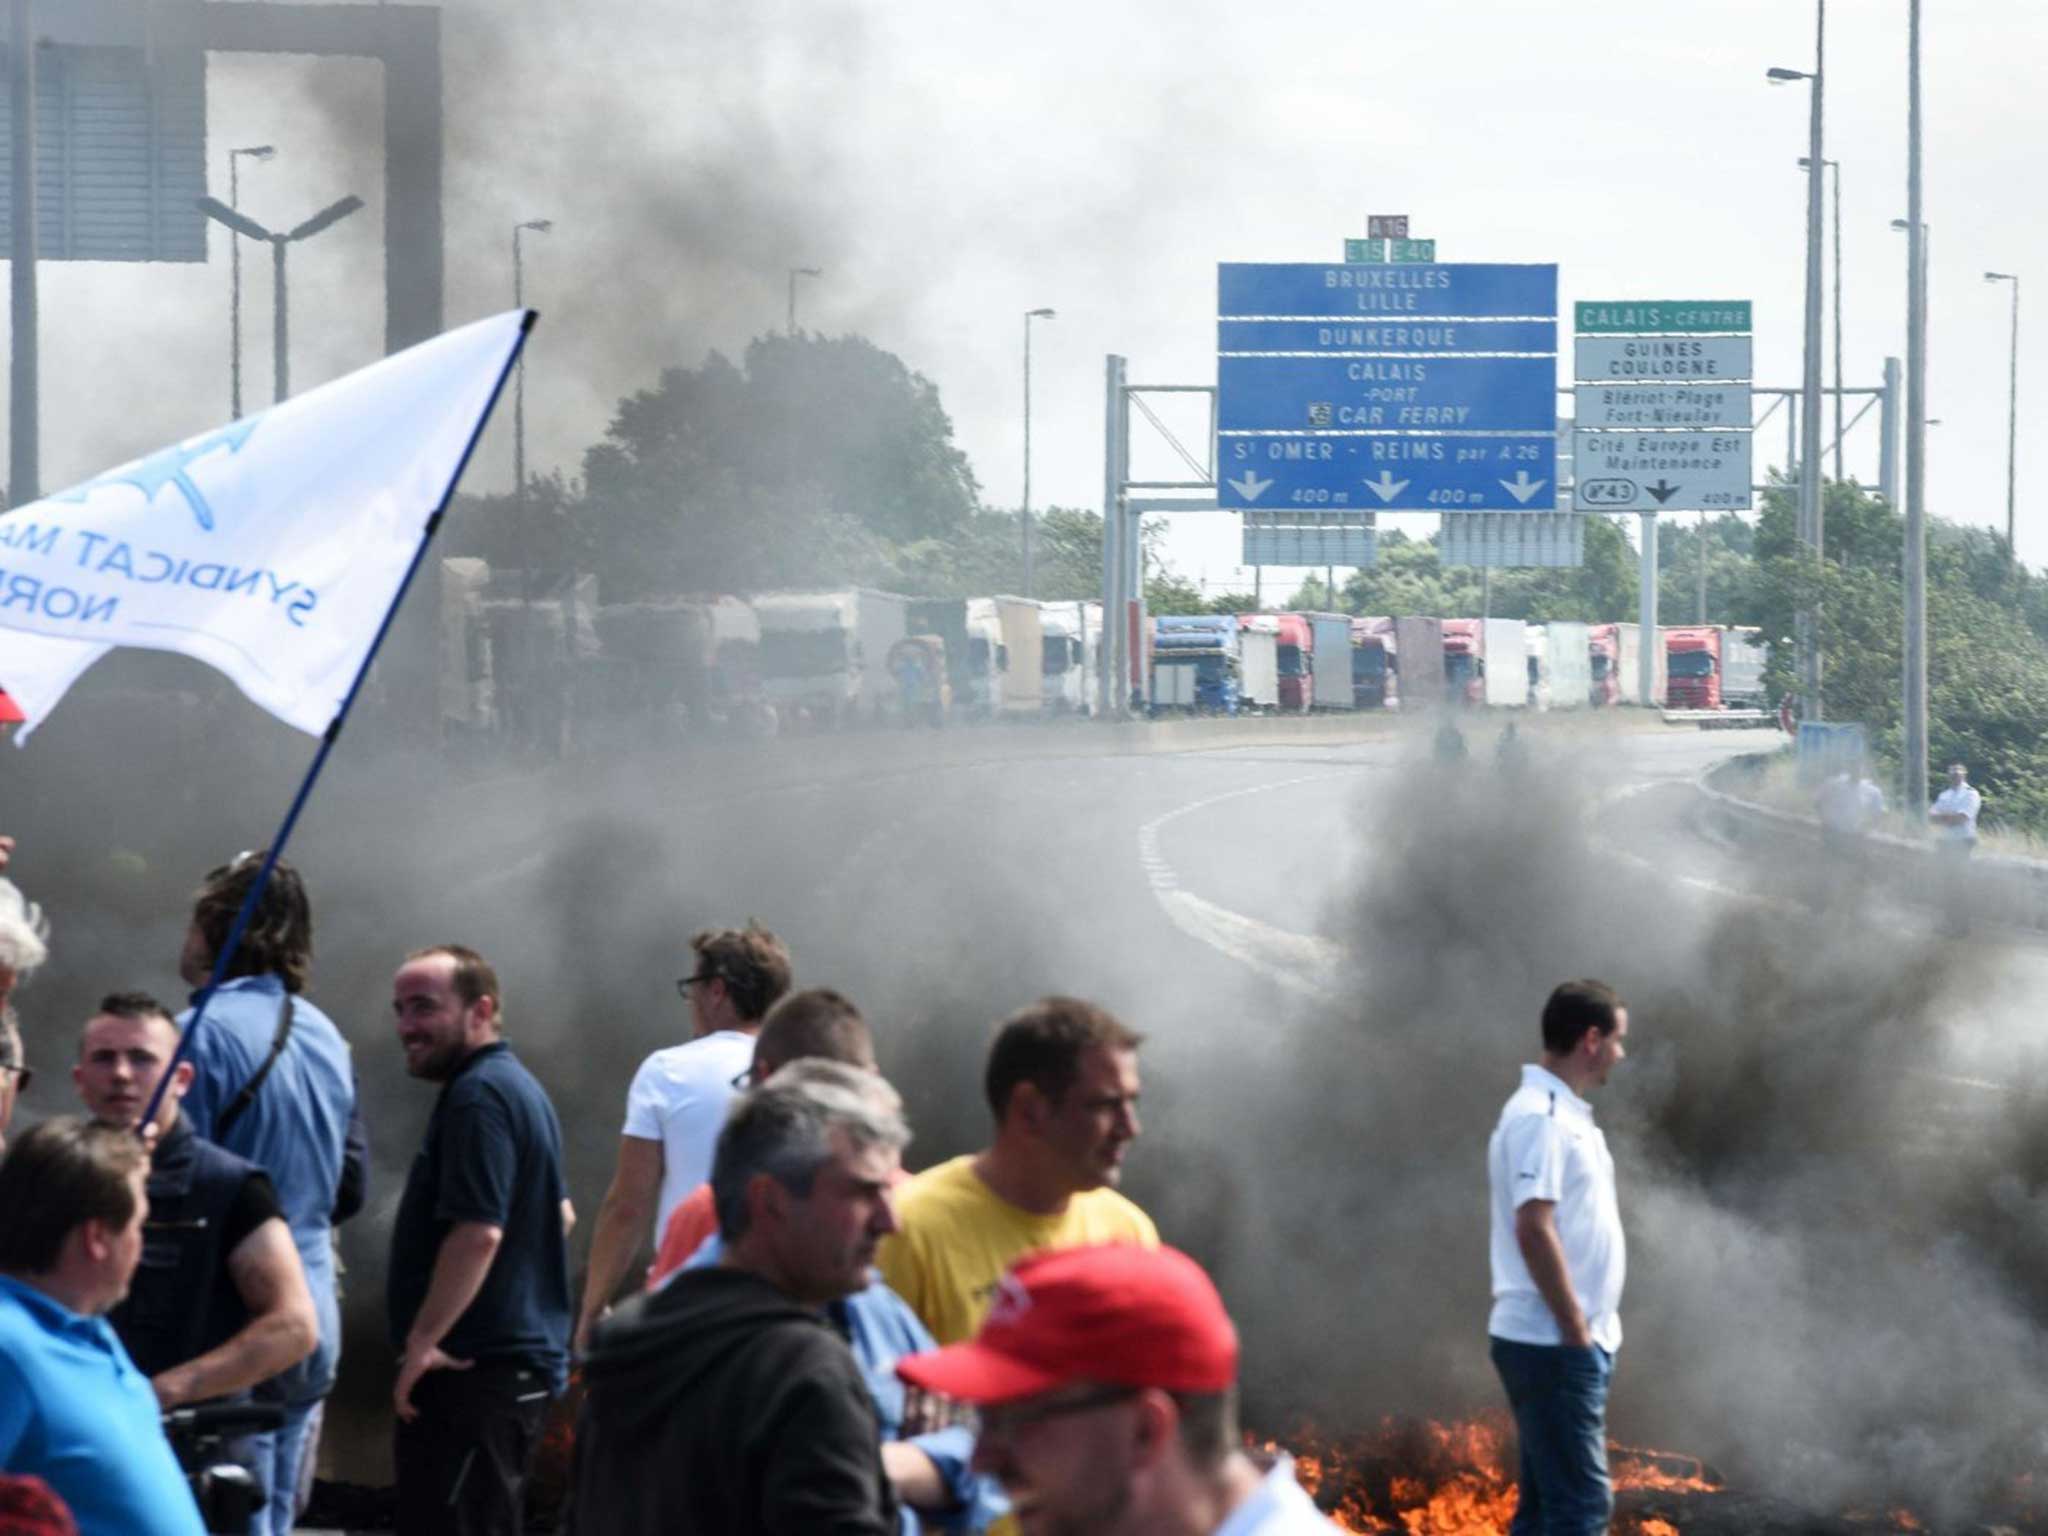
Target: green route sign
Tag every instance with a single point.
(1598, 317)
(1412, 250)
(1364, 250)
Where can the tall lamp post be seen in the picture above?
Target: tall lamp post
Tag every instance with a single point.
(1810, 507)
(794, 274)
(539, 227)
(1913, 721)
(333, 213)
(235, 157)
(1029, 316)
(1836, 167)
(2012, 408)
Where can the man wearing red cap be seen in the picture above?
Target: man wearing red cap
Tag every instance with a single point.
(1106, 1380)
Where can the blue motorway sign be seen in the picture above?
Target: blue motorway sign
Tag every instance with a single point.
(1420, 473)
(1385, 394)
(1386, 336)
(1306, 289)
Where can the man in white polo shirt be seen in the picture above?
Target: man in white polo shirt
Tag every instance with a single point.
(1558, 1263)
(676, 1105)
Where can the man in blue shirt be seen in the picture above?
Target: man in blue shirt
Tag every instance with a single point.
(73, 1410)
(478, 1285)
(272, 1082)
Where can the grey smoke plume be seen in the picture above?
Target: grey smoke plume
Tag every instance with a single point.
(1835, 1239)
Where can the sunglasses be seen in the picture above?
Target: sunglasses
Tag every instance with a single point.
(684, 983)
(996, 1422)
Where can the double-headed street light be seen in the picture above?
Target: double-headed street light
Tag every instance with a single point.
(539, 227)
(333, 213)
(794, 274)
(235, 157)
(1810, 504)
(1029, 316)
(2012, 406)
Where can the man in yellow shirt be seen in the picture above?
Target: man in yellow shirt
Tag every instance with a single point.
(1062, 1081)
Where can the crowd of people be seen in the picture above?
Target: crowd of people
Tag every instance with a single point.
(824, 1343)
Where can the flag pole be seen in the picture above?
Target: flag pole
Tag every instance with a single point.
(333, 732)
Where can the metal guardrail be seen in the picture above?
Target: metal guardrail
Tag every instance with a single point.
(2002, 890)
(1721, 719)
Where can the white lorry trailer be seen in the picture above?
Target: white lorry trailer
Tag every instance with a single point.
(1330, 657)
(827, 653)
(1504, 649)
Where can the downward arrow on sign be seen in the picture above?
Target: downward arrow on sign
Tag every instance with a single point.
(1522, 487)
(1249, 485)
(1663, 490)
(1386, 487)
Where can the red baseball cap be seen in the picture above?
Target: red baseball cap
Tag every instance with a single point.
(1120, 1315)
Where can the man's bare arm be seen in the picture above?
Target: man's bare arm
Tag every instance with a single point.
(622, 1221)
(1543, 1251)
(465, 1257)
(282, 1328)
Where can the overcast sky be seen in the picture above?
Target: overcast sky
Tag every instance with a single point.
(950, 165)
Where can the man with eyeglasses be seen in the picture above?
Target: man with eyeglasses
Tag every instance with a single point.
(15, 1072)
(1106, 1380)
(678, 1100)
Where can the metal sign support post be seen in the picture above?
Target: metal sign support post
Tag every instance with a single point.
(1110, 660)
(1888, 435)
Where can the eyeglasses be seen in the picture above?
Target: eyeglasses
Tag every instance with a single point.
(23, 1076)
(997, 1422)
(744, 1079)
(684, 983)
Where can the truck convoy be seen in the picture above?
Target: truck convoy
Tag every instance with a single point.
(1195, 664)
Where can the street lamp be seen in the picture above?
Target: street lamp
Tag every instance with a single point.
(1913, 715)
(333, 213)
(235, 157)
(1836, 167)
(539, 227)
(2012, 405)
(1029, 316)
(794, 274)
(1810, 505)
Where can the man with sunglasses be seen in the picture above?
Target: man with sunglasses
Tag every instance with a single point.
(678, 1102)
(1106, 1380)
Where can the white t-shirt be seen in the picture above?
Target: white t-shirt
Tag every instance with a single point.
(1964, 802)
(679, 1098)
(1546, 1147)
(1277, 1508)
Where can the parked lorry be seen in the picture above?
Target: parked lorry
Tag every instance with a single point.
(1295, 650)
(1330, 661)
(1567, 663)
(1195, 663)
(1419, 653)
(825, 654)
(1742, 668)
(1504, 671)
(1258, 640)
(973, 637)
(1693, 658)
(1464, 661)
(1068, 669)
(1023, 621)
(1603, 661)
(1371, 639)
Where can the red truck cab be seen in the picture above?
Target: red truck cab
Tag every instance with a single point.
(1693, 661)
(1296, 656)
(1464, 661)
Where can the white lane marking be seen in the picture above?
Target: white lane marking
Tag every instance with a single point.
(1302, 963)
